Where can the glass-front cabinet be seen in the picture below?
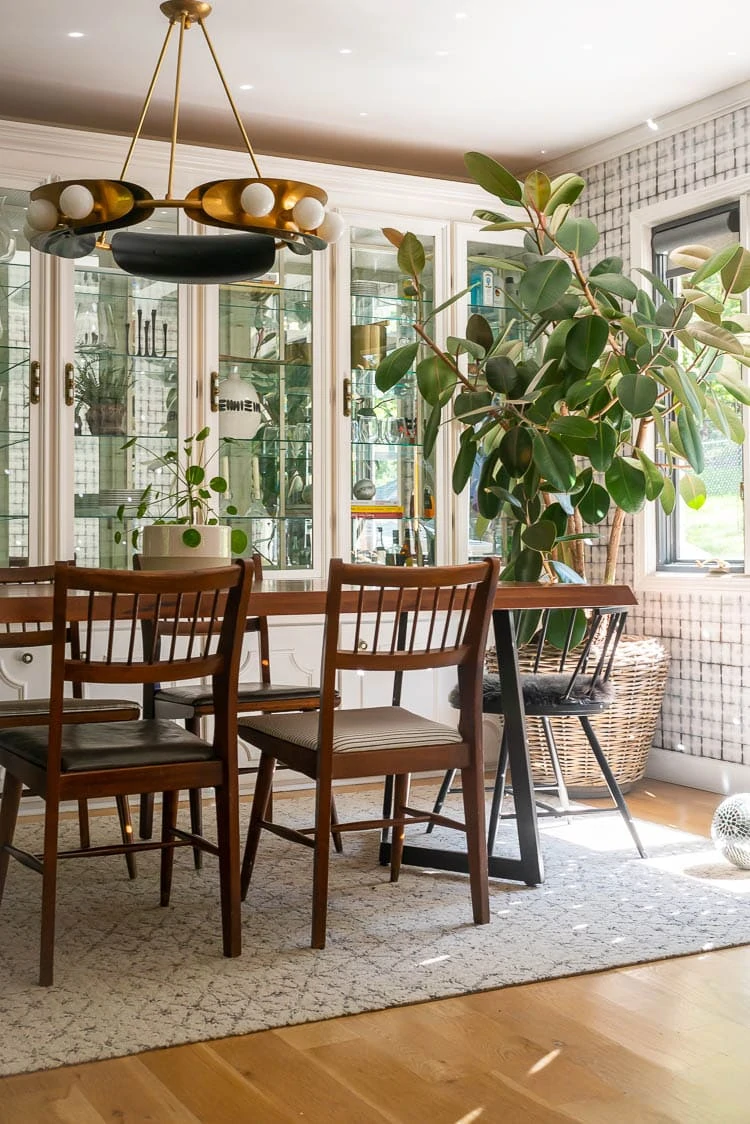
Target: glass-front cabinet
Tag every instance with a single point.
(484, 265)
(391, 485)
(123, 390)
(19, 380)
(266, 410)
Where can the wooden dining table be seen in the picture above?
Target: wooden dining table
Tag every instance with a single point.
(296, 597)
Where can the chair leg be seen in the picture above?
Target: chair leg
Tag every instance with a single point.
(445, 788)
(612, 784)
(472, 784)
(126, 830)
(146, 818)
(168, 821)
(228, 835)
(83, 823)
(337, 840)
(498, 793)
(562, 790)
(49, 892)
(259, 812)
(320, 864)
(196, 823)
(400, 800)
(8, 815)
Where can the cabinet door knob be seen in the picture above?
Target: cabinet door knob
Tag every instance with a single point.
(70, 384)
(363, 646)
(35, 382)
(26, 657)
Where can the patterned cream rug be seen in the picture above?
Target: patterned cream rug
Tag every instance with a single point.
(131, 976)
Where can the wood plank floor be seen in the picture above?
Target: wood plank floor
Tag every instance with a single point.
(665, 1042)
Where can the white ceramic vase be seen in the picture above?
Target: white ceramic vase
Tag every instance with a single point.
(163, 548)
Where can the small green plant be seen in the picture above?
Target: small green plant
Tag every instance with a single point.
(101, 381)
(188, 498)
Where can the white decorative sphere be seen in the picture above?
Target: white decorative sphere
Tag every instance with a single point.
(76, 201)
(239, 408)
(331, 228)
(730, 829)
(257, 200)
(42, 215)
(308, 213)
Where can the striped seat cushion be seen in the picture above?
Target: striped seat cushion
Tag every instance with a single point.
(378, 727)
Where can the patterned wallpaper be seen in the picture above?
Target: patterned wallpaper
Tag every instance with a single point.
(708, 638)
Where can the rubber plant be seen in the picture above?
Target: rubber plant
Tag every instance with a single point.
(607, 393)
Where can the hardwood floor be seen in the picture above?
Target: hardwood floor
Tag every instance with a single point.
(665, 1042)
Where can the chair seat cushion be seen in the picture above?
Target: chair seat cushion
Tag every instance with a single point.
(543, 695)
(25, 708)
(379, 727)
(199, 695)
(109, 745)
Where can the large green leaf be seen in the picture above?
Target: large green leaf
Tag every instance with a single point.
(528, 566)
(436, 380)
(464, 462)
(540, 536)
(564, 189)
(516, 449)
(501, 375)
(554, 462)
(472, 404)
(411, 255)
(537, 190)
(683, 389)
(659, 285)
(431, 430)
(560, 622)
(615, 284)
(626, 485)
(714, 336)
(735, 387)
(735, 275)
(586, 341)
(395, 365)
(493, 177)
(715, 263)
(478, 330)
(489, 502)
(595, 504)
(692, 490)
(578, 236)
(456, 345)
(691, 438)
(638, 393)
(573, 425)
(582, 391)
(543, 284)
(654, 478)
(603, 446)
(667, 496)
(725, 418)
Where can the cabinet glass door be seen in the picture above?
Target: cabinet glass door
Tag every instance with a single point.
(488, 269)
(392, 483)
(266, 410)
(15, 372)
(124, 386)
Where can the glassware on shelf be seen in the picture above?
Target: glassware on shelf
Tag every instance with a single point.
(7, 237)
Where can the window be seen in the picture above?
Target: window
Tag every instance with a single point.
(716, 531)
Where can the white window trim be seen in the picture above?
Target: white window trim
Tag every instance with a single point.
(646, 577)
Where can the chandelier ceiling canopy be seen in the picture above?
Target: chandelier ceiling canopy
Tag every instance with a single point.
(71, 218)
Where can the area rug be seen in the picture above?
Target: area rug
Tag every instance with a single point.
(131, 976)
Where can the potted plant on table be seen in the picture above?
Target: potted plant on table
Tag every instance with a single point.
(101, 389)
(607, 396)
(184, 505)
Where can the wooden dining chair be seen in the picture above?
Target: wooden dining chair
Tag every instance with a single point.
(449, 610)
(192, 702)
(31, 712)
(579, 687)
(63, 761)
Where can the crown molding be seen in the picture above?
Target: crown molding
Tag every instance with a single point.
(688, 116)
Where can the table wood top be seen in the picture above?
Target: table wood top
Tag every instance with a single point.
(295, 597)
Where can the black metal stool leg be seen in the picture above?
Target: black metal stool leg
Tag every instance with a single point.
(612, 784)
(562, 791)
(445, 788)
(498, 794)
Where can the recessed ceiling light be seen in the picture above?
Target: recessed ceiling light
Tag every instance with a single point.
(75, 35)
(246, 86)
(652, 124)
(542, 150)
(587, 46)
(731, 52)
(442, 54)
(345, 51)
(363, 114)
(460, 15)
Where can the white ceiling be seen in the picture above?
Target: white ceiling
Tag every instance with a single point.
(525, 82)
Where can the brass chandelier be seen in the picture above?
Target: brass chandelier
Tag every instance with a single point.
(70, 218)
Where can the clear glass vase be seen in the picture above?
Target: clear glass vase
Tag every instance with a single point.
(7, 237)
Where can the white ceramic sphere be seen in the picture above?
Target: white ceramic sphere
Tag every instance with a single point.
(76, 201)
(257, 200)
(308, 213)
(240, 413)
(331, 228)
(42, 215)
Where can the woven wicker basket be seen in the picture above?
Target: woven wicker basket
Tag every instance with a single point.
(625, 729)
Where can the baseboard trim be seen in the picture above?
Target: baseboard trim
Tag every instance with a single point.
(698, 772)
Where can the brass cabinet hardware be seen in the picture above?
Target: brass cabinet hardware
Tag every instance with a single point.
(35, 383)
(347, 398)
(213, 391)
(70, 384)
